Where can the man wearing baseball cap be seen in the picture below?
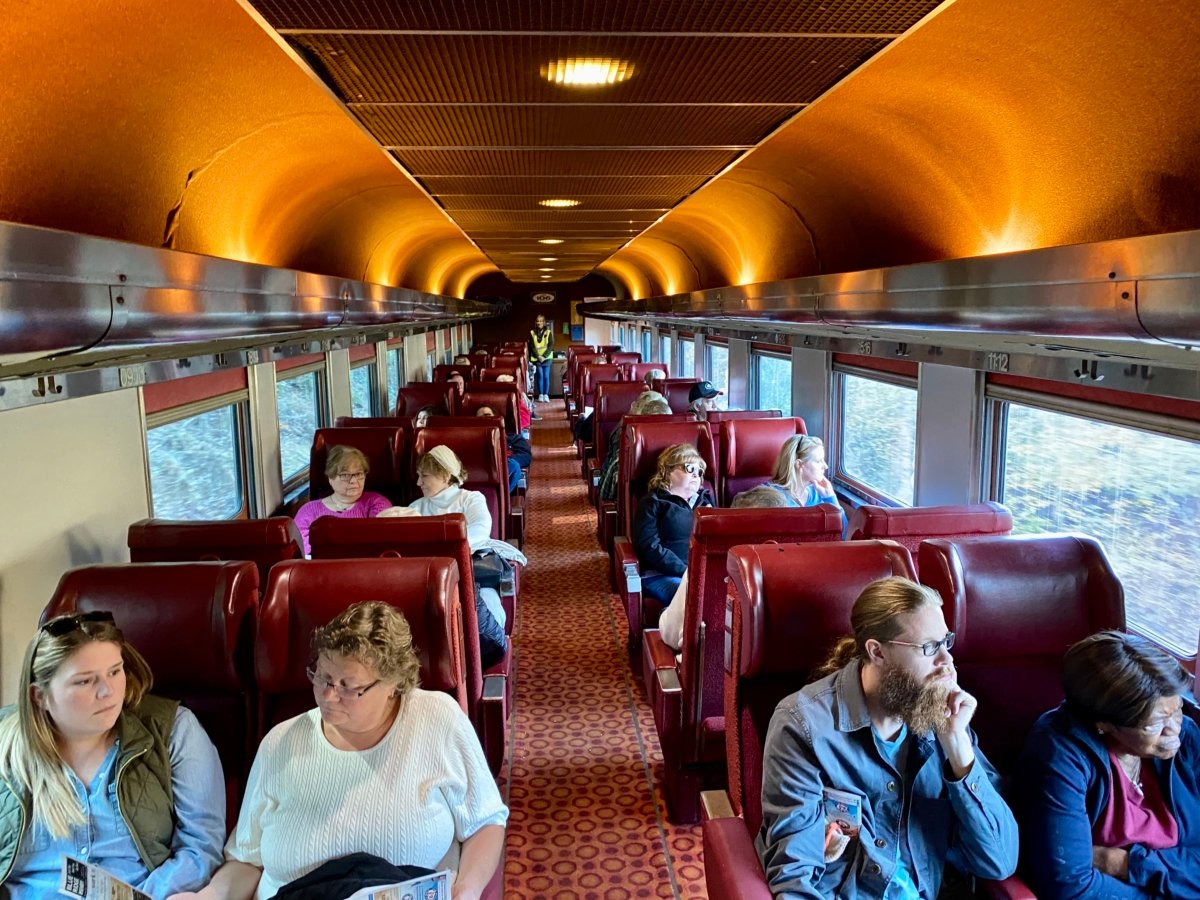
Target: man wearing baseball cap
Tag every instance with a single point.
(702, 398)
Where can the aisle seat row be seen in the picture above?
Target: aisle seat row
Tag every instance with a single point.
(442, 396)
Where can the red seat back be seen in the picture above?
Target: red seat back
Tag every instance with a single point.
(383, 448)
(613, 399)
(716, 531)
(194, 623)
(749, 449)
(481, 448)
(577, 361)
(624, 357)
(676, 390)
(642, 440)
(592, 374)
(1015, 605)
(639, 371)
(501, 397)
(440, 536)
(439, 394)
(910, 525)
(445, 370)
(306, 594)
(790, 604)
(263, 542)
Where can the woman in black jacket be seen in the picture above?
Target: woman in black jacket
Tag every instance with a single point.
(662, 525)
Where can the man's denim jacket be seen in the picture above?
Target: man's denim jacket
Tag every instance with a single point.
(821, 738)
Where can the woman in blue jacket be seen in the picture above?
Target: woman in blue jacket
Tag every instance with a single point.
(662, 524)
(1108, 788)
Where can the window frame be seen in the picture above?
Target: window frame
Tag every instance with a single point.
(835, 455)
(239, 400)
(755, 387)
(294, 483)
(372, 384)
(690, 340)
(722, 343)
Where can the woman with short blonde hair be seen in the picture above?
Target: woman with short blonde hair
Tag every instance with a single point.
(94, 766)
(800, 473)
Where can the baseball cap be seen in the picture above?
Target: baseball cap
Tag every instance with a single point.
(703, 389)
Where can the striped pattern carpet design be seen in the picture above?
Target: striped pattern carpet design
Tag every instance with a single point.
(588, 819)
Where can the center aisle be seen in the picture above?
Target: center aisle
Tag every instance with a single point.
(588, 819)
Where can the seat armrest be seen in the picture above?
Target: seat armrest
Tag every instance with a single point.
(658, 654)
(627, 565)
(665, 694)
(731, 867)
(493, 720)
(716, 805)
(1011, 888)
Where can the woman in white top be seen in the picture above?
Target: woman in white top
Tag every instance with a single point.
(440, 476)
(379, 766)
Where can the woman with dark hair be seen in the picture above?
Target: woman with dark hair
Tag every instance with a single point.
(94, 766)
(1108, 788)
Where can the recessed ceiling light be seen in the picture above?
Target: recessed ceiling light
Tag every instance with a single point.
(545, 270)
(559, 203)
(546, 276)
(550, 241)
(588, 71)
(548, 259)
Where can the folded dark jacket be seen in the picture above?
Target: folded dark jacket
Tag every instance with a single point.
(343, 876)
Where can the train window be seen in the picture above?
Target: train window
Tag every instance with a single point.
(393, 379)
(195, 465)
(772, 382)
(298, 399)
(1133, 490)
(687, 358)
(362, 390)
(621, 337)
(877, 440)
(664, 351)
(645, 345)
(716, 370)
(429, 367)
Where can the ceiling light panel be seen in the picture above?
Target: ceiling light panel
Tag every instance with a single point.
(588, 71)
(603, 207)
(486, 163)
(588, 189)
(763, 16)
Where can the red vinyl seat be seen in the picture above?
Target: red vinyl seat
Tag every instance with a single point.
(439, 394)
(687, 698)
(500, 397)
(481, 449)
(574, 362)
(676, 390)
(749, 449)
(194, 622)
(613, 399)
(625, 357)
(789, 603)
(910, 525)
(643, 441)
(591, 374)
(638, 371)
(384, 449)
(1015, 604)
(445, 370)
(263, 542)
(306, 594)
(489, 692)
(515, 369)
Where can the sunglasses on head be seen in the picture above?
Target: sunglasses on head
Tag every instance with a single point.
(61, 625)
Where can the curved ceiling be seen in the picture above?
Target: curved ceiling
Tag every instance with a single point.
(991, 127)
(189, 125)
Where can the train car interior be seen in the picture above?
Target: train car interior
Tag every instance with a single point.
(952, 248)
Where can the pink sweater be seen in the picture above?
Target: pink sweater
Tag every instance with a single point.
(368, 506)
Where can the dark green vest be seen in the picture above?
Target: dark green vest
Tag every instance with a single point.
(143, 778)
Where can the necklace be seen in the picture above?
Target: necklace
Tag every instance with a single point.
(1133, 771)
(337, 505)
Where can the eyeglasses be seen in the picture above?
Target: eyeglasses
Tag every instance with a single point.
(60, 625)
(344, 692)
(351, 476)
(930, 648)
(692, 468)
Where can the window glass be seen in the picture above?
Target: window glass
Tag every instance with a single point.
(621, 337)
(362, 390)
(879, 436)
(773, 383)
(1138, 493)
(717, 371)
(645, 345)
(664, 344)
(429, 367)
(299, 403)
(393, 379)
(687, 362)
(195, 466)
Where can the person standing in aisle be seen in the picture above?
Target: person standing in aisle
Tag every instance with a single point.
(541, 352)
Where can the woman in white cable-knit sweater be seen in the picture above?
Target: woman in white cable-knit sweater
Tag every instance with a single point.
(379, 766)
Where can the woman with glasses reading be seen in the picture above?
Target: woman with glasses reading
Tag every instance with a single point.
(379, 767)
(662, 524)
(95, 767)
(1108, 788)
(346, 468)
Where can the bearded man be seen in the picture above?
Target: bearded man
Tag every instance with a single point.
(872, 780)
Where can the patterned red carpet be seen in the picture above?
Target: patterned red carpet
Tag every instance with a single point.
(588, 819)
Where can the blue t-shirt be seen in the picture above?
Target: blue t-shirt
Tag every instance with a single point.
(901, 887)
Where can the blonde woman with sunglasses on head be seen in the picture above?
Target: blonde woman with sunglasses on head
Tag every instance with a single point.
(93, 766)
(662, 525)
(800, 473)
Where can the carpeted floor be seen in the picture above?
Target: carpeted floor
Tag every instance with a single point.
(588, 819)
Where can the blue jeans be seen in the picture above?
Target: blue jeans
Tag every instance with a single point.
(514, 474)
(659, 586)
(541, 381)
